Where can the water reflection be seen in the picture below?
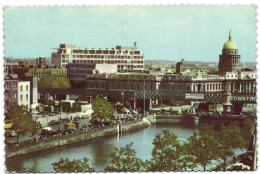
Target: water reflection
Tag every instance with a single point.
(99, 150)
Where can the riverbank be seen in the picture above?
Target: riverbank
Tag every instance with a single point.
(229, 162)
(75, 137)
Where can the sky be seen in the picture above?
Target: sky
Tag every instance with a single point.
(192, 33)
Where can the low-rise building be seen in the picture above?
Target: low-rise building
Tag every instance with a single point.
(79, 71)
(10, 91)
(17, 92)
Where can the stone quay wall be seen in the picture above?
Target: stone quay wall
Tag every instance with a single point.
(75, 137)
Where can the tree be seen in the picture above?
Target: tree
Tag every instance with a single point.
(75, 166)
(22, 120)
(66, 107)
(247, 126)
(76, 107)
(54, 82)
(124, 160)
(229, 137)
(102, 109)
(168, 154)
(203, 145)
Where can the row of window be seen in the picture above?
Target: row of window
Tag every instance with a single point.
(102, 52)
(208, 87)
(81, 66)
(231, 76)
(11, 94)
(21, 88)
(120, 86)
(103, 56)
(102, 61)
(80, 71)
(11, 84)
(26, 97)
(175, 87)
(129, 66)
(48, 72)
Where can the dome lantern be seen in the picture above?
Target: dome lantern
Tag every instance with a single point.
(230, 45)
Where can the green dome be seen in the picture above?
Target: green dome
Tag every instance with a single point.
(230, 45)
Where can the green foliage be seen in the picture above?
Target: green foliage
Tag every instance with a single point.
(124, 160)
(229, 137)
(76, 107)
(168, 154)
(46, 109)
(54, 82)
(22, 120)
(66, 107)
(48, 102)
(79, 165)
(247, 126)
(203, 145)
(211, 142)
(102, 109)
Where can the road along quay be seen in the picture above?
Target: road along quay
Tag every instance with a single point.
(76, 136)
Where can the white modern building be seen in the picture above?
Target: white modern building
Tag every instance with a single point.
(125, 57)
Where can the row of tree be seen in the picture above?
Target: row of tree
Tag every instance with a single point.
(211, 142)
(23, 122)
(65, 106)
(54, 82)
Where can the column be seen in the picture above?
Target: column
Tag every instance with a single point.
(253, 87)
(243, 87)
(151, 104)
(249, 87)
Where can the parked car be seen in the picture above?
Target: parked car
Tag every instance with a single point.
(54, 122)
(65, 120)
(125, 110)
(70, 126)
(46, 131)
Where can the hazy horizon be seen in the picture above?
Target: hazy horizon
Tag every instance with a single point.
(194, 33)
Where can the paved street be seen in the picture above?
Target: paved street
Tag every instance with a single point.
(39, 130)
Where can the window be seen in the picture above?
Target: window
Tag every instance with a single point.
(21, 88)
(131, 87)
(27, 87)
(27, 98)
(21, 97)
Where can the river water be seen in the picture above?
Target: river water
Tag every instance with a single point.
(99, 150)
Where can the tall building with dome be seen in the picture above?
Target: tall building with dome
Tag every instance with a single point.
(229, 61)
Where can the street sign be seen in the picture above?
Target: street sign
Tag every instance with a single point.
(194, 96)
